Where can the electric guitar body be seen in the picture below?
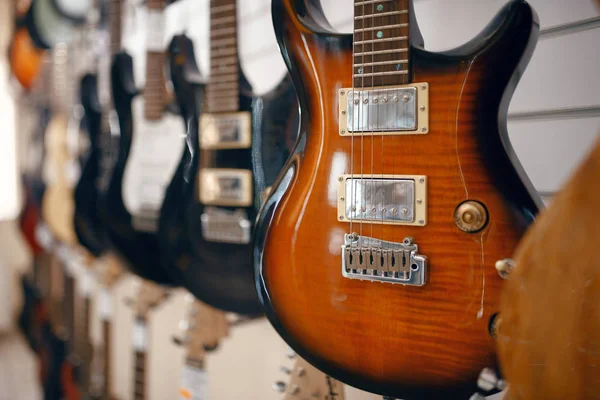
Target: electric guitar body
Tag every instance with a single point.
(138, 249)
(57, 203)
(87, 222)
(375, 251)
(210, 207)
(151, 145)
(103, 134)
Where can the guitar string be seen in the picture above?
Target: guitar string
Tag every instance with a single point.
(372, 137)
(350, 125)
(362, 133)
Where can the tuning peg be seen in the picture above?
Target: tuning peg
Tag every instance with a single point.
(294, 390)
(488, 381)
(279, 386)
(300, 371)
(285, 370)
(179, 341)
(291, 354)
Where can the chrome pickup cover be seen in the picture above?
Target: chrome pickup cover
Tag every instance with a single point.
(384, 111)
(220, 225)
(383, 199)
(225, 187)
(225, 131)
(376, 260)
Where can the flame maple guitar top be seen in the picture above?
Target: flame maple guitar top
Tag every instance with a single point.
(401, 341)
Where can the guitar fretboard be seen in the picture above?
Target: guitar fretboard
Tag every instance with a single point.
(222, 93)
(381, 43)
(82, 335)
(114, 20)
(107, 349)
(155, 89)
(139, 391)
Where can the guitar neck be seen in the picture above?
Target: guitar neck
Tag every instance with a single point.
(69, 307)
(56, 293)
(222, 93)
(82, 345)
(155, 89)
(115, 29)
(381, 51)
(107, 349)
(115, 32)
(140, 346)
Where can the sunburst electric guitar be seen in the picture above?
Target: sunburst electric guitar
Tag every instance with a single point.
(375, 251)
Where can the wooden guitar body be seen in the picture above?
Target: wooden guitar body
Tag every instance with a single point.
(221, 274)
(57, 204)
(549, 334)
(138, 249)
(409, 342)
(25, 58)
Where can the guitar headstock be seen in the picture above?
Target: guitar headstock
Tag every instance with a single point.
(202, 330)
(305, 382)
(149, 295)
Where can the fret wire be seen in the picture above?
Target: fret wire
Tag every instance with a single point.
(366, 53)
(404, 72)
(219, 42)
(223, 52)
(218, 32)
(372, 41)
(363, 3)
(224, 93)
(223, 8)
(222, 20)
(218, 87)
(220, 69)
(223, 60)
(381, 63)
(218, 74)
(383, 14)
(377, 28)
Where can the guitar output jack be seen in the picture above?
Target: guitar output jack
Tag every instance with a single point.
(471, 216)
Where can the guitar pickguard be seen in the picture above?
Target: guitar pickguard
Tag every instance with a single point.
(155, 152)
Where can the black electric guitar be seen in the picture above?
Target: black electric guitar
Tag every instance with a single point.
(209, 210)
(103, 136)
(151, 143)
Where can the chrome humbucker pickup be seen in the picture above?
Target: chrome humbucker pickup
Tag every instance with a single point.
(226, 187)
(399, 110)
(377, 260)
(225, 226)
(225, 131)
(383, 199)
